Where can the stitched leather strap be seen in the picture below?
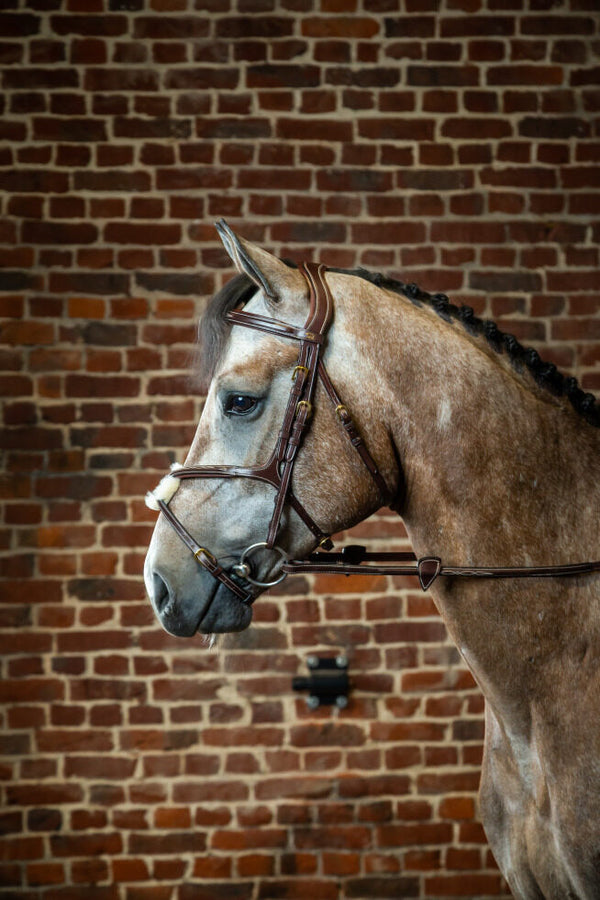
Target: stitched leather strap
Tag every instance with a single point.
(272, 326)
(349, 561)
(352, 433)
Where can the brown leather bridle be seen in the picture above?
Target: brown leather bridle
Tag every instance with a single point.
(277, 472)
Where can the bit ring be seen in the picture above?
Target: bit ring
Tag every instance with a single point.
(244, 571)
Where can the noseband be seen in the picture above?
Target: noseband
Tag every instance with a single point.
(278, 470)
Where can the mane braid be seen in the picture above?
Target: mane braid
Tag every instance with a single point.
(544, 373)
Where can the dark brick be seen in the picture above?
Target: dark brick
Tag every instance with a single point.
(112, 181)
(69, 129)
(19, 24)
(161, 844)
(254, 26)
(35, 181)
(410, 27)
(382, 887)
(377, 77)
(59, 233)
(152, 128)
(101, 386)
(105, 26)
(181, 284)
(111, 460)
(395, 128)
(163, 27)
(538, 76)
(108, 335)
(16, 281)
(73, 486)
(89, 283)
(367, 180)
(585, 76)
(126, 5)
(443, 76)
(435, 180)
(505, 282)
(41, 78)
(202, 78)
(477, 26)
(121, 79)
(554, 128)
(561, 25)
(313, 130)
(309, 232)
(216, 890)
(287, 76)
(137, 233)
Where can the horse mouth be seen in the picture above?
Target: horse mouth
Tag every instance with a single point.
(225, 613)
(219, 610)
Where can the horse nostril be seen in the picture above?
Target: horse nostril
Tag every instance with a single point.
(160, 593)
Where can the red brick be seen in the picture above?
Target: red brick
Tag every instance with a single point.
(463, 885)
(39, 874)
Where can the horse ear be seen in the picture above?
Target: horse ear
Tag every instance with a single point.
(269, 274)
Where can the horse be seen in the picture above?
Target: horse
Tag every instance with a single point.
(339, 391)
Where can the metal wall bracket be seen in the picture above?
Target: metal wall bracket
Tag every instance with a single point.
(328, 684)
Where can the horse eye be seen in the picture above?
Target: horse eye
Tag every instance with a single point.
(240, 405)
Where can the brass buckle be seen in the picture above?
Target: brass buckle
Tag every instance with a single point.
(212, 560)
(341, 411)
(299, 369)
(304, 403)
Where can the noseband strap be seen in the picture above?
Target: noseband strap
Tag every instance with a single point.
(277, 472)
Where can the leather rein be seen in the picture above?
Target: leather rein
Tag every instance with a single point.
(352, 560)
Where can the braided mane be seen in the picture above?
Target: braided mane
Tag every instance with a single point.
(213, 331)
(544, 373)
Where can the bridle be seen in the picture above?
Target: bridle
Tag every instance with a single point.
(277, 472)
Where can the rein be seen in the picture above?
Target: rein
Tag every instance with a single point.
(350, 559)
(277, 472)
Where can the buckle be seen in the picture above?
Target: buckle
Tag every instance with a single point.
(306, 405)
(211, 559)
(299, 369)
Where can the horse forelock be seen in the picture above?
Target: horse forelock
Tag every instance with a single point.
(214, 329)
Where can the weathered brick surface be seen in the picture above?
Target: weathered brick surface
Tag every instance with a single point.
(452, 143)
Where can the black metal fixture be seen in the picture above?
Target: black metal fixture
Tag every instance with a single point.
(328, 683)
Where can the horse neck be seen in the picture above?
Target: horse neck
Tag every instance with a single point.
(490, 459)
(497, 473)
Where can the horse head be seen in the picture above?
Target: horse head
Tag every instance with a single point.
(270, 473)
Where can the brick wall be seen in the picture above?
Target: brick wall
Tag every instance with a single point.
(450, 142)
